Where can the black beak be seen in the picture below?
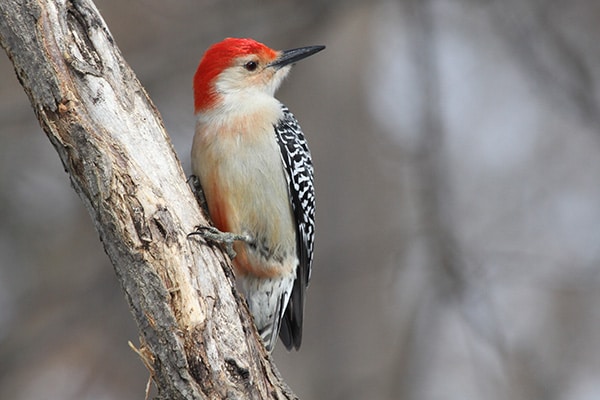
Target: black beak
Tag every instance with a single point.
(291, 56)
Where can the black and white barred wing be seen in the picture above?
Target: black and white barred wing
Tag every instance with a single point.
(300, 178)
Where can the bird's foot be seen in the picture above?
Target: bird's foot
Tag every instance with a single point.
(196, 187)
(226, 239)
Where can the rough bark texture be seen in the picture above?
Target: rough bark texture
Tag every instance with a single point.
(197, 338)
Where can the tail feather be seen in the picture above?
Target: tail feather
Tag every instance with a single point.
(291, 323)
(267, 300)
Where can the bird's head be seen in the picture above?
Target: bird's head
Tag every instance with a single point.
(242, 66)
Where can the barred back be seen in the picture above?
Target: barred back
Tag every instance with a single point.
(299, 173)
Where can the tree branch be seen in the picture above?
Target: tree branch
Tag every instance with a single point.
(198, 340)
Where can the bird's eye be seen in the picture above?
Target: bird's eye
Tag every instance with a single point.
(251, 65)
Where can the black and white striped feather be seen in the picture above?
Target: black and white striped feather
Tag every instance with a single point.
(299, 173)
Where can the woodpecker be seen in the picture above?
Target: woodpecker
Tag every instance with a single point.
(256, 173)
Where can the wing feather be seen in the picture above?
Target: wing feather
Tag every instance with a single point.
(299, 173)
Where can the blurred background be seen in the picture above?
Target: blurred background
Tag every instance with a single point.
(457, 154)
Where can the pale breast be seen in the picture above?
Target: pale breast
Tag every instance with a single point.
(240, 168)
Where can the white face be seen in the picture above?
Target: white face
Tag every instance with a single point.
(250, 74)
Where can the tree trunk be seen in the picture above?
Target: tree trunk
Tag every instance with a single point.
(197, 338)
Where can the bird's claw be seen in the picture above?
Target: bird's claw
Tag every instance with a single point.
(196, 187)
(210, 233)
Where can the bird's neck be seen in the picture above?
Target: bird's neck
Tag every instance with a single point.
(239, 109)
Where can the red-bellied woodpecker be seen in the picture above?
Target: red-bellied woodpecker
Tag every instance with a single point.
(257, 176)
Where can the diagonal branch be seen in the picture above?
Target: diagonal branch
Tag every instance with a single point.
(198, 340)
